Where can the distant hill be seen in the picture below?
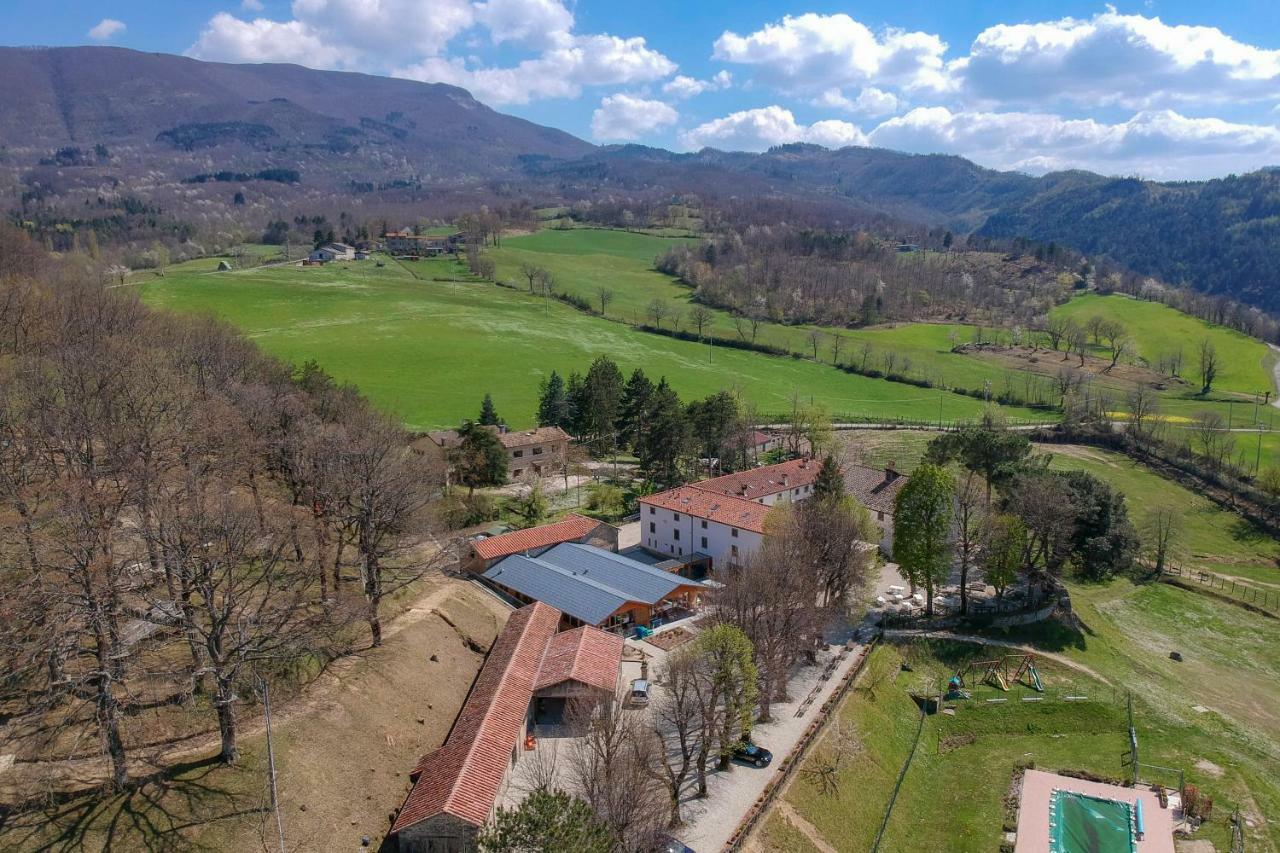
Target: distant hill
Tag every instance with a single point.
(99, 134)
(156, 113)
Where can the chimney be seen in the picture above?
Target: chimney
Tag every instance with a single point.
(890, 471)
(744, 489)
(786, 479)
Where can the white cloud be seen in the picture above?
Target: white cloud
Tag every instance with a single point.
(231, 39)
(1157, 144)
(105, 29)
(535, 23)
(812, 53)
(409, 38)
(871, 102)
(683, 87)
(562, 72)
(251, 5)
(626, 117)
(1128, 60)
(758, 129)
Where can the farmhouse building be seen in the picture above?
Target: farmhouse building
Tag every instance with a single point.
(595, 587)
(535, 453)
(484, 552)
(723, 518)
(530, 672)
(408, 244)
(333, 252)
(876, 489)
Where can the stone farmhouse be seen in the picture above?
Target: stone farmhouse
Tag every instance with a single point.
(332, 252)
(534, 453)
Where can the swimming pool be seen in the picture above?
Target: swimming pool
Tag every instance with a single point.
(1083, 824)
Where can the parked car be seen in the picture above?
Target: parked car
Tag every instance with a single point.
(671, 844)
(639, 694)
(749, 753)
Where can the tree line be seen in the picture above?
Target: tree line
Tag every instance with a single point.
(184, 516)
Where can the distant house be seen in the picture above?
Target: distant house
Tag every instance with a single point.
(535, 453)
(529, 676)
(758, 443)
(408, 244)
(361, 255)
(484, 552)
(595, 587)
(906, 248)
(333, 252)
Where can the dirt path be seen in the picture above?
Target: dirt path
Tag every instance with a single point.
(1006, 644)
(806, 829)
(82, 774)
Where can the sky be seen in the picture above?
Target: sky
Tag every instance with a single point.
(1165, 89)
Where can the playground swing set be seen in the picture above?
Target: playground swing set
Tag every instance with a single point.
(999, 673)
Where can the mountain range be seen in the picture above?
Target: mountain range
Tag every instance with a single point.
(199, 137)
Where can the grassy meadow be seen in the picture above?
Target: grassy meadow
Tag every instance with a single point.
(425, 342)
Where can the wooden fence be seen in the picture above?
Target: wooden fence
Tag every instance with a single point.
(797, 755)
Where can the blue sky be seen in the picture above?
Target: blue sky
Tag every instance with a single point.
(1164, 88)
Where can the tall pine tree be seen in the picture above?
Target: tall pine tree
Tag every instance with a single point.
(488, 415)
(636, 397)
(553, 402)
(667, 440)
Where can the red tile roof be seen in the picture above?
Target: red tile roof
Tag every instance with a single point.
(463, 777)
(569, 529)
(585, 654)
(756, 483)
(541, 435)
(700, 503)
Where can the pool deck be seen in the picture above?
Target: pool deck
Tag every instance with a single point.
(1033, 811)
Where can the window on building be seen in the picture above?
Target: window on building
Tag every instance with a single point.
(879, 516)
(733, 549)
(704, 541)
(704, 524)
(734, 532)
(537, 451)
(652, 510)
(675, 534)
(517, 472)
(653, 528)
(517, 454)
(676, 516)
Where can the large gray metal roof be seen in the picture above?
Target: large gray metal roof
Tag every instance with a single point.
(586, 582)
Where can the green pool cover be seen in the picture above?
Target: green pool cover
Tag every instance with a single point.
(1084, 824)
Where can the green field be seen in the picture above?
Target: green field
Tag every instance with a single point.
(1245, 362)
(585, 260)
(425, 342)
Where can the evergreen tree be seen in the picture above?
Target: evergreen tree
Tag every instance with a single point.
(922, 528)
(667, 439)
(547, 821)
(553, 402)
(713, 422)
(636, 397)
(602, 395)
(479, 460)
(576, 396)
(488, 416)
(830, 482)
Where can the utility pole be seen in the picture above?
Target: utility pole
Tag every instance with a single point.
(940, 398)
(271, 764)
(1257, 459)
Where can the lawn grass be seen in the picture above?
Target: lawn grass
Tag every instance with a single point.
(425, 343)
(952, 797)
(1244, 363)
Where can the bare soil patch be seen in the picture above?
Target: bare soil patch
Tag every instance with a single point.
(668, 640)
